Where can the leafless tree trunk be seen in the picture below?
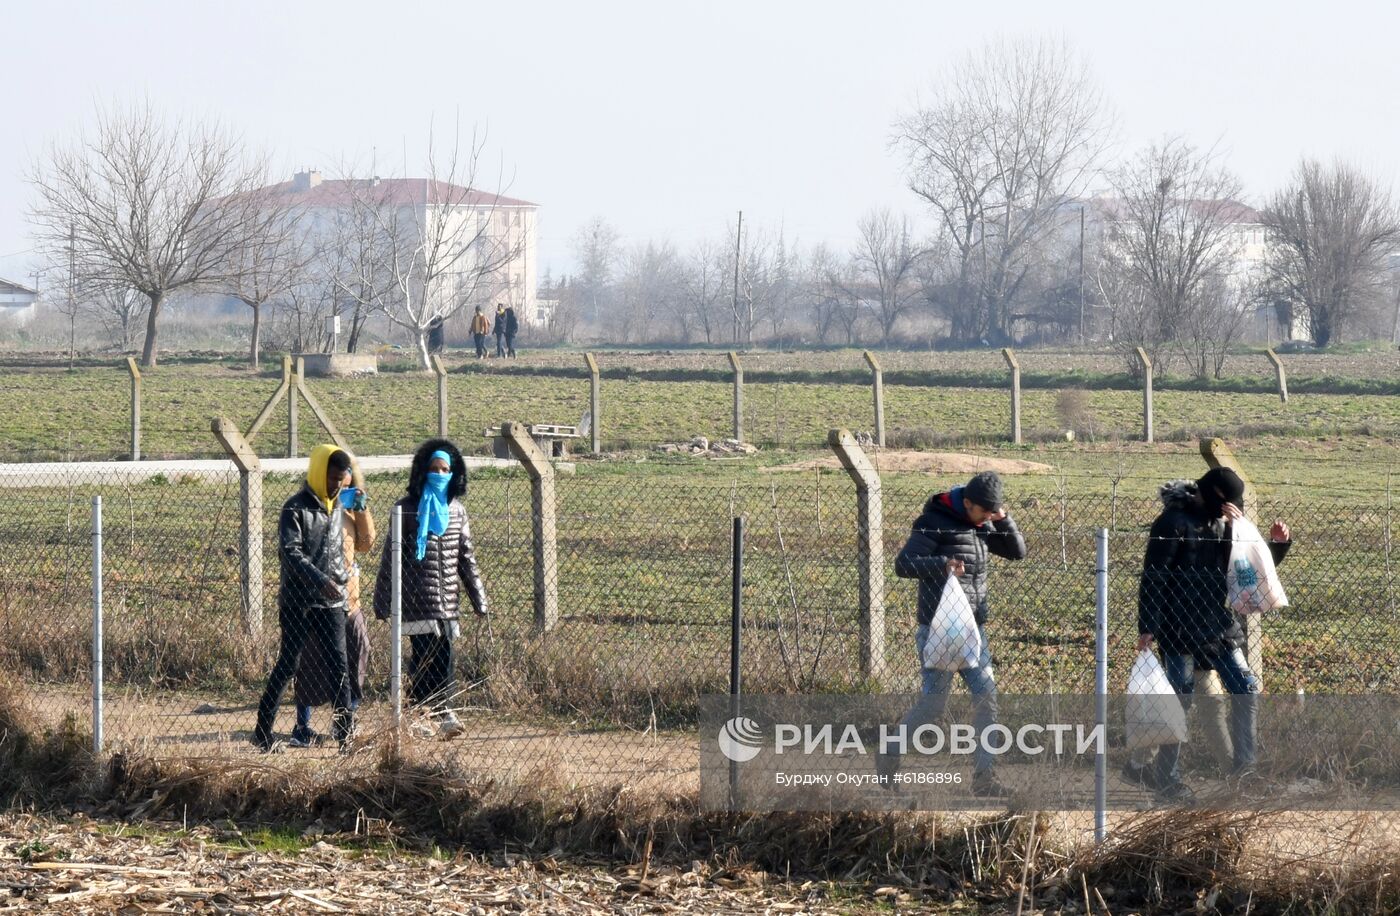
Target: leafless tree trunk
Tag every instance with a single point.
(884, 260)
(1011, 134)
(119, 309)
(445, 249)
(1170, 231)
(153, 204)
(276, 254)
(1329, 231)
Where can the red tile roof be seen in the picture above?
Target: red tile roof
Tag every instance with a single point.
(393, 191)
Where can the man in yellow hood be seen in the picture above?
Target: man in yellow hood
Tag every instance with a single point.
(311, 597)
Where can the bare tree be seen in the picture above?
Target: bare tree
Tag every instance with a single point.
(649, 287)
(435, 245)
(153, 204)
(120, 309)
(596, 253)
(1329, 232)
(703, 281)
(270, 263)
(884, 261)
(1012, 133)
(1171, 230)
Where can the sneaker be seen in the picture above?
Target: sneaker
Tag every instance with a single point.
(1144, 775)
(448, 725)
(986, 785)
(1176, 793)
(306, 738)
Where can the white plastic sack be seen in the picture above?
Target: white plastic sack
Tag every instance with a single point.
(1154, 712)
(1253, 579)
(954, 642)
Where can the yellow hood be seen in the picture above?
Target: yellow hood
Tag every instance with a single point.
(316, 472)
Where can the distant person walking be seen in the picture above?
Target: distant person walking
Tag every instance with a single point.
(512, 328)
(439, 563)
(499, 328)
(480, 328)
(314, 685)
(435, 335)
(311, 598)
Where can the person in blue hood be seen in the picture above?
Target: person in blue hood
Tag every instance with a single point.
(439, 564)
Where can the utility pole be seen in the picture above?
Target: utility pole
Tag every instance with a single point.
(72, 297)
(1083, 331)
(738, 248)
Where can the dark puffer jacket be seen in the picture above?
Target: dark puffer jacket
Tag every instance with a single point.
(311, 546)
(432, 586)
(941, 533)
(1183, 592)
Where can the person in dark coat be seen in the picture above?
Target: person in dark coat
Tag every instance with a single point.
(1182, 606)
(439, 564)
(956, 535)
(314, 686)
(512, 328)
(435, 334)
(311, 597)
(499, 329)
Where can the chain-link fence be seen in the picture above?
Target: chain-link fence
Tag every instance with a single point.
(603, 683)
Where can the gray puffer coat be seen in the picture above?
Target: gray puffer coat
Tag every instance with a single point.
(432, 587)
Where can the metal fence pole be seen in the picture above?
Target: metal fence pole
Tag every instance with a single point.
(1101, 686)
(736, 632)
(396, 614)
(97, 624)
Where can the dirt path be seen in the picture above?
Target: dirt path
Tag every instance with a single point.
(192, 725)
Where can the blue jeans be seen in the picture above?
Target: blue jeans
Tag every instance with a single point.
(1243, 687)
(304, 715)
(981, 683)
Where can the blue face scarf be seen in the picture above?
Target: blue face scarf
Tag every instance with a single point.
(433, 514)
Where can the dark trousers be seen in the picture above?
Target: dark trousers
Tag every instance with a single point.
(480, 341)
(500, 345)
(329, 626)
(510, 345)
(1243, 687)
(430, 671)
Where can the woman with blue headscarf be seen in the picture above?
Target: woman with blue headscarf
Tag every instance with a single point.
(439, 562)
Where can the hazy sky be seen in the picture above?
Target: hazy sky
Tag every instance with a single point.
(665, 117)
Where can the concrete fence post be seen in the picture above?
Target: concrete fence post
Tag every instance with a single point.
(441, 371)
(870, 551)
(877, 380)
(1015, 367)
(135, 374)
(595, 405)
(250, 531)
(545, 537)
(738, 395)
(1146, 362)
(294, 377)
(1279, 374)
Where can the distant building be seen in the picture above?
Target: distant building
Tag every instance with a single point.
(16, 303)
(507, 223)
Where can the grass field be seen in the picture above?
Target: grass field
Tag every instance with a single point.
(644, 540)
(47, 411)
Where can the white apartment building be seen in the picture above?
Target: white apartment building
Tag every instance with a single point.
(498, 223)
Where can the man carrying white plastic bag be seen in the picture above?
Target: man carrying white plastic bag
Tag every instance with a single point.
(948, 552)
(1184, 605)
